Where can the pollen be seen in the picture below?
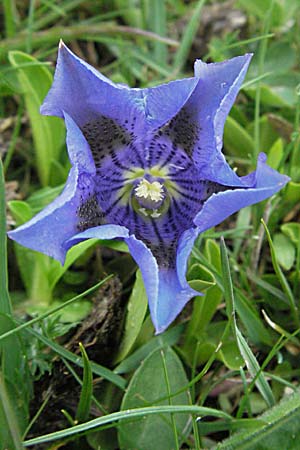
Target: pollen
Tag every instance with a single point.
(150, 191)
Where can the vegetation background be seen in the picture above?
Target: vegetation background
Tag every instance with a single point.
(80, 365)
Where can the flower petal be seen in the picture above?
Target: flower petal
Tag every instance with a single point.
(163, 102)
(85, 94)
(167, 294)
(222, 83)
(265, 182)
(185, 246)
(78, 149)
(108, 231)
(198, 127)
(171, 299)
(48, 230)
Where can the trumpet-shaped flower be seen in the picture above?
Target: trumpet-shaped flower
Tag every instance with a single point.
(147, 168)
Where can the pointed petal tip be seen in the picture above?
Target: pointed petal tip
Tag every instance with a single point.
(262, 157)
(63, 49)
(62, 45)
(23, 237)
(171, 299)
(159, 329)
(199, 64)
(263, 169)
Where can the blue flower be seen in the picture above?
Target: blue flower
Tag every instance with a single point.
(147, 168)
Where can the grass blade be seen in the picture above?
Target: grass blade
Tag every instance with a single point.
(188, 37)
(278, 428)
(246, 352)
(9, 9)
(281, 278)
(255, 370)
(97, 369)
(52, 36)
(5, 305)
(228, 287)
(159, 26)
(15, 383)
(135, 314)
(261, 57)
(126, 415)
(86, 394)
(53, 310)
(9, 428)
(163, 357)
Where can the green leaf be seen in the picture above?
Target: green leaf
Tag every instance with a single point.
(244, 218)
(136, 310)
(292, 230)
(39, 273)
(146, 387)
(204, 309)
(33, 267)
(285, 251)
(169, 337)
(200, 278)
(292, 193)
(230, 355)
(120, 246)
(282, 279)
(84, 405)
(275, 154)
(41, 198)
(267, 135)
(280, 429)
(20, 211)
(56, 270)
(270, 97)
(256, 330)
(278, 89)
(48, 132)
(237, 140)
(73, 313)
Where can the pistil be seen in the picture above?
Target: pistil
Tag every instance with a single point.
(149, 198)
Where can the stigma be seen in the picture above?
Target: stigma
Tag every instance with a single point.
(150, 198)
(150, 191)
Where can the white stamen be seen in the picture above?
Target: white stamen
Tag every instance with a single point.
(155, 214)
(154, 190)
(143, 210)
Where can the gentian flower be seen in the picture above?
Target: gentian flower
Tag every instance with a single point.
(147, 168)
